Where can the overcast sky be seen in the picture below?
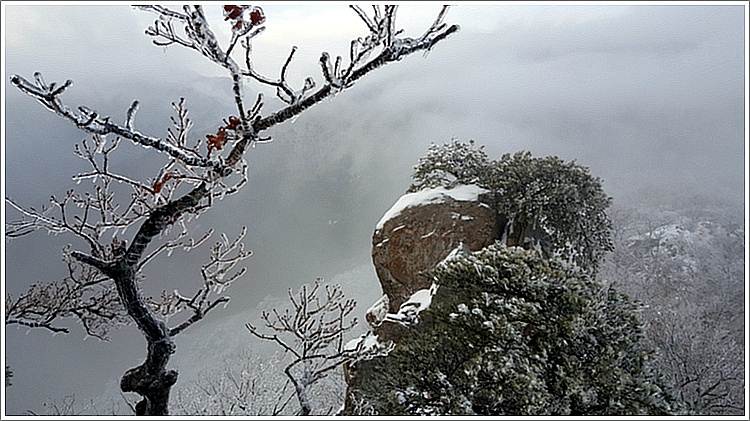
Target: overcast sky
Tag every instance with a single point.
(651, 98)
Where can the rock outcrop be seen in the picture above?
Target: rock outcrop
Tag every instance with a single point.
(421, 229)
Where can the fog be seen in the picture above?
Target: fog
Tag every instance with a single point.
(650, 98)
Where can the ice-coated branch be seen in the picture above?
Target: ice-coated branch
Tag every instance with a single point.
(366, 19)
(159, 219)
(91, 214)
(246, 21)
(130, 115)
(101, 170)
(151, 379)
(316, 322)
(225, 255)
(161, 10)
(312, 330)
(274, 338)
(90, 121)
(383, 36)
(214, 280)
(84, 295)
(199, 36)
(181, 241)
(283, 90)
(198, 313)
(34, 220)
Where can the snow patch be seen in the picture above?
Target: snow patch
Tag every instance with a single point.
(368, 346)
(460, 192)
(461, 250)
(377, 312)
(428, 235)
(409, 310)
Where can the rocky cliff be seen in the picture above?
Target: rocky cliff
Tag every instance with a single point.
(418, 232)
(421, 229)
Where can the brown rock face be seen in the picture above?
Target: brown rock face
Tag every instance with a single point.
(418, 237)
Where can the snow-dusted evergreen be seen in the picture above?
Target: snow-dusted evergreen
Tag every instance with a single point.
(512, 333)
(517, 328)
(556, 206)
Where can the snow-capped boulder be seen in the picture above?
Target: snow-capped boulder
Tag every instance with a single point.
(421, 229)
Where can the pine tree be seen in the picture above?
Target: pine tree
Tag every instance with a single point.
(512, 333)
(558, 205)
(523, 330)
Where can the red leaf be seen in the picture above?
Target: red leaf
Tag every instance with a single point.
(234, 123)
(256, 16)
(216, 142)
(160, 184)
(233, 12)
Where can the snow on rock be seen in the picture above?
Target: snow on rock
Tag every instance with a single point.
(376, 313)
(422, 228)
(466, 193)
(408, 314)
(368, 346)
(461, 250)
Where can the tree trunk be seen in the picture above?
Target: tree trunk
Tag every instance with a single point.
(151, 379)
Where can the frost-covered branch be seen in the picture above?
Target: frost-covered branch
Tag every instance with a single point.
(91, 122)
(225, 255)
(384, 38)
(92, 214)
(84, 295)
(312, 331)
(247, 22)
(209, 171)
(199, 36)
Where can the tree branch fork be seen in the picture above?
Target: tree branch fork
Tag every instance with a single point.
(205, 169)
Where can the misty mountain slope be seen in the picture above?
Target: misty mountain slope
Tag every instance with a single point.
(686, 264)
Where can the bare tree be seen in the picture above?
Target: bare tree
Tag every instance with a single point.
(313, 332)
(701, 359)
(196, 175)
(85, 294)
(69, 406)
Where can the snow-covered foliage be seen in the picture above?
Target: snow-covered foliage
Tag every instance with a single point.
(510, 332)
(368, 346)
(376, 313)
(408, 313)
(557, 206)
(562, 198)
(449, 165)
